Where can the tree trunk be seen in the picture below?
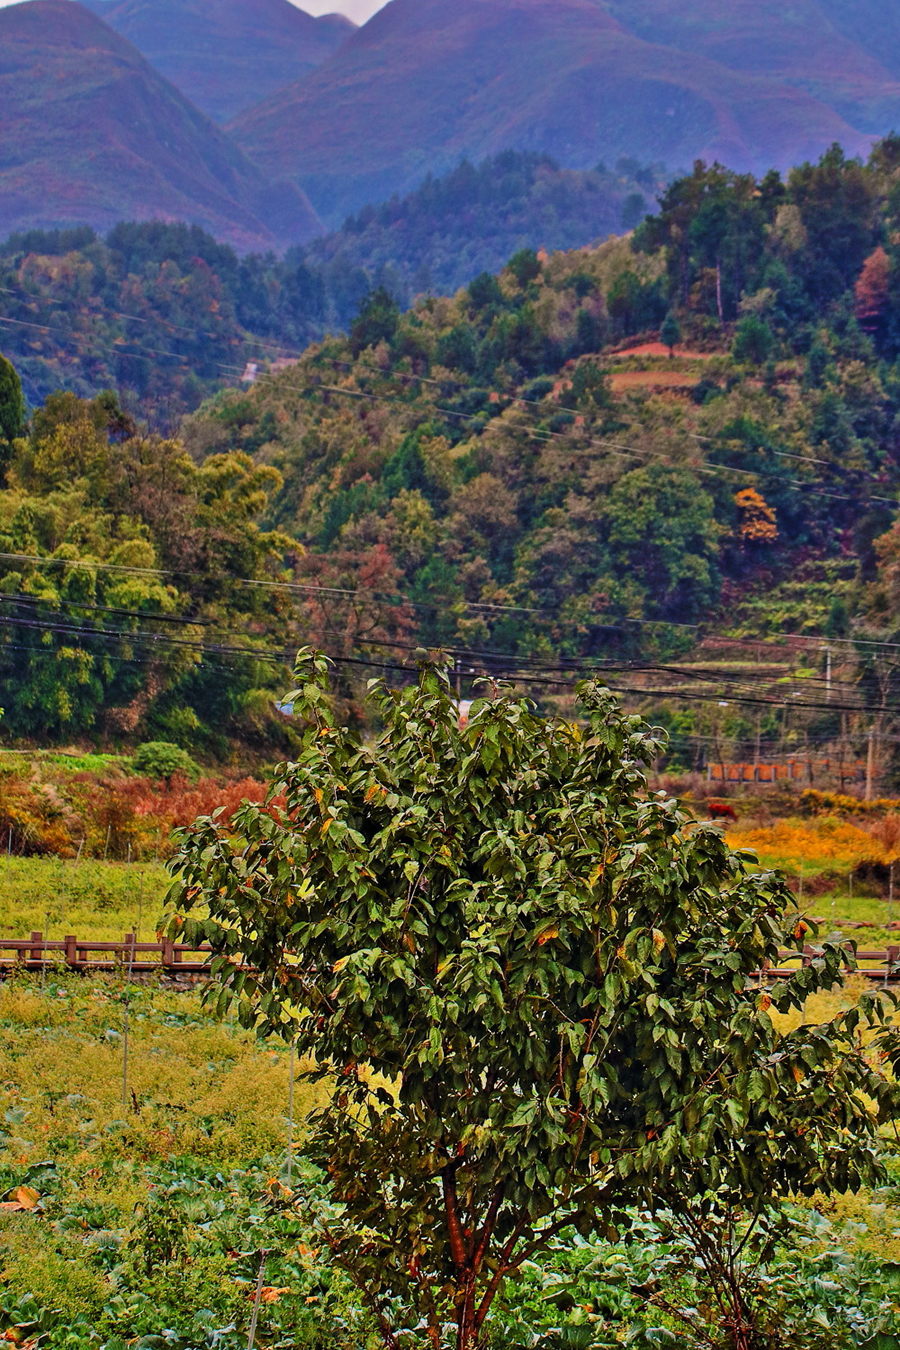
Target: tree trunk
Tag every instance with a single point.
(740, 1324)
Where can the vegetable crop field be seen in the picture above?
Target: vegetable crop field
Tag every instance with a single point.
(145, 1222)
(156, 1193)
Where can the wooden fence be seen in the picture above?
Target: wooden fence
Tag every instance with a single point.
(174, 958)
(88, 957)
(886, 967)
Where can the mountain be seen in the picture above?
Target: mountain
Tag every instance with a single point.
(426, 82)
(91, 134)
(874, 26)
(819, 46)
(226, 55)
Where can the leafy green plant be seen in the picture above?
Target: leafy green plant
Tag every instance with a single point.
(529, 984)
(670, 333)
(159, 1233)
(161, 759)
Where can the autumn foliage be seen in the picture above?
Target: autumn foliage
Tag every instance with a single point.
(825, 845)
(871, 291)
(757, 518)
(113, 816)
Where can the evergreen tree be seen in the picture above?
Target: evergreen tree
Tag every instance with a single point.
(12, 408)
(376, 322)
(670, 333)
(753, 341)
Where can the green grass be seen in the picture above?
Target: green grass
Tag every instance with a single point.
(16, 761)
(93, 900)
(151, 1210)
(837, 908)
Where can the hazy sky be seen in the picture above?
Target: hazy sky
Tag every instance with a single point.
(357, 10)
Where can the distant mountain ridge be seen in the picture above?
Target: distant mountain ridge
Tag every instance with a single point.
(166, 313)
(91, 134)
(426, 82)
(101, 125)
(226, 55)
(816, 46)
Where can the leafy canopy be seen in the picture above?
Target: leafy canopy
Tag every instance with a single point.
(12, 407)
(161, 759)
(122, 560)
(529, 985)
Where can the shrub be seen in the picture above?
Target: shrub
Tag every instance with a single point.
(160, 759)
(844, 804)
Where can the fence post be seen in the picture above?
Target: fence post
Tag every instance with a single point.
(37, 947)
(130, 941)
(168, 953)
(71, 951)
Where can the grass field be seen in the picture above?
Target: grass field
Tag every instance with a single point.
(93, 900)
(133, 1218)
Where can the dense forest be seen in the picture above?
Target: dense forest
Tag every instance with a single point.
(520, 472)
(166, 314)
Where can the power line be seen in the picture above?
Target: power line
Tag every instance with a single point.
(706, 466)
(515, 669)
(97, 310)
(109, 346)
(616, 448)
(398, 599)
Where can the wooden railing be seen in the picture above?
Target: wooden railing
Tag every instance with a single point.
(175, 958)
(87, 957)
(886, 969)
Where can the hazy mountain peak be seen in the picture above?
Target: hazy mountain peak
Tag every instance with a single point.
(426, 82)
(92, 134)
(226, 55)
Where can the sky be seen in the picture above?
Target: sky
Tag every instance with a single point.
(357, 10)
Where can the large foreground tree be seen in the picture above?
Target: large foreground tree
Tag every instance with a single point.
(530, 986)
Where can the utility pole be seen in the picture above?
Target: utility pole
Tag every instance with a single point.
(827, 674)
(870, 763)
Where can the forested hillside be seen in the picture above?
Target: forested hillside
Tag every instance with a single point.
(133, 597)
(440, 236)
(523, 473)
(166, 314)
